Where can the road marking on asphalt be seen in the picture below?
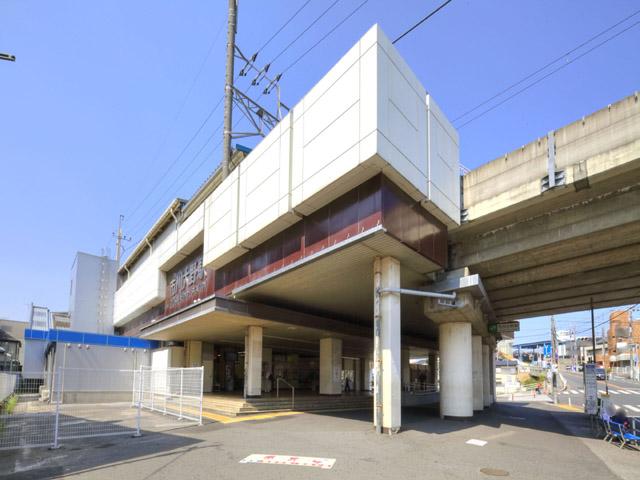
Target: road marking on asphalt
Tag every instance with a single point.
(574, 392)
(601, 392)
(325, 463)
(632, 408)
(477, 443)
(626, 392)
(246, 418)
(615, 392)
(571, 408)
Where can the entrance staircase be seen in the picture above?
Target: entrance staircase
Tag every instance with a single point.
(234, 406)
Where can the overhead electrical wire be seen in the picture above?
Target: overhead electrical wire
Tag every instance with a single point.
(541, 69)
(284, 25)
(179, 112)
(175, 160)
(322, 14)
(306, 52)
(316, 20)
(431, 14)
(552, 72)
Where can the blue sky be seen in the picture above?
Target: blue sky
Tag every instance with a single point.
(105, 95)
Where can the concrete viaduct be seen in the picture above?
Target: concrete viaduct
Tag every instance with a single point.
(542, 249)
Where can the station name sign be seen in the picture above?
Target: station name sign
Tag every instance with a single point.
(187, 283)
(507, 327)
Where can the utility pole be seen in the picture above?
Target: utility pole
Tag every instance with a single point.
(228, 87)
(554, 360)
(593, 333)
(119, 239)
(606, 380)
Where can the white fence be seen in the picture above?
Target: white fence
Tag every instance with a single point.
(42, 410)
(173, 391)
(7, 385)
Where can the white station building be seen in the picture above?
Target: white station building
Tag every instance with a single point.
(292, 267)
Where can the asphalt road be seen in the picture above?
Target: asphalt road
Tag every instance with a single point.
(523, 441)
(623, 393)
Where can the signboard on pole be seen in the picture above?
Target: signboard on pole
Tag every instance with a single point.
(590, 389)
(507, 327)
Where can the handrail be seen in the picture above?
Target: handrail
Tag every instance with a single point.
(293, 390)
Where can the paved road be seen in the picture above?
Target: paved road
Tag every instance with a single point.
(623, 393)
(524, 441)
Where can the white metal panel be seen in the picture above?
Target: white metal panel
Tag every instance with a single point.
(444, 179)
(220, 235)
(144, 288)
(191, 228)
(264, 183)
(368, 114)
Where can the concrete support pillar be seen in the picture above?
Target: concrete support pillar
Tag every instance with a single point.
(390, 346)
(253, 361)
(267, 373)
(486, 376)
(330, 366)
(367, 377)
(492, 355)
(358, 375)
(432, 378)
(193, 353)
(476, 352)
(406, 367)
(456, 374)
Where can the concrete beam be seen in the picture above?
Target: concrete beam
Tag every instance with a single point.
(568, 282)
(566, 225)
(596, 147)
(535, 298)
(619, 256)
(578, 304)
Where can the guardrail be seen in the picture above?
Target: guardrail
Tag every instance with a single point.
(420, 388)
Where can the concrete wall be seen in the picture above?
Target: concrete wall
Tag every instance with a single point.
(594, 147)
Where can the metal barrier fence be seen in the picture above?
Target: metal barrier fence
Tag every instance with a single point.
(44, 409)
(173, 391)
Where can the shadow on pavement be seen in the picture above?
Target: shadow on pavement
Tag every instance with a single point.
(427, 419)
(93, 454)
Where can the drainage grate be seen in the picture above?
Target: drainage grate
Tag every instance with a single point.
(494, 472)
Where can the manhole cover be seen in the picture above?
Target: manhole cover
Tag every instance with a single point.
(494, 472)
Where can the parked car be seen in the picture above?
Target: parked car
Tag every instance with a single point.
(601, 374)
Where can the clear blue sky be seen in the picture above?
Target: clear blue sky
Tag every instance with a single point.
(105, 95)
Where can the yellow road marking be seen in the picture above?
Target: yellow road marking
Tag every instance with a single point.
(217, 417)
(571, 408)
(259, 416)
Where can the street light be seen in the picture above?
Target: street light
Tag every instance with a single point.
(8, 57)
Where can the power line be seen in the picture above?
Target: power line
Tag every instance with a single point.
(556, 60)
(284, 25)
(179, 112)
(173, 163)
(548, 75)
(422, 21)
(175, 179)
(611, 318)
(353, 12)
(305, 30)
